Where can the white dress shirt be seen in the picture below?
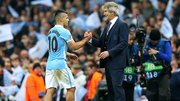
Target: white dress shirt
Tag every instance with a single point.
(112, 23)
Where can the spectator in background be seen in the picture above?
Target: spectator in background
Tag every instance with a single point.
(25, 59)
(33, 33)
(162, 6)
(8, 71)
(18, 72)
(174, 17)
(26, 41)
(82, 60)
(147, 9)
(94, 78)
(89, 72)
(10, 80)
(35, 86)
(174, 65)
(9, 48)
(80, 81)
(79, 77)
(135, 15)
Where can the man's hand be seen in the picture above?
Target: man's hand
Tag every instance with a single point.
(152, 51)
(88, 34)
(104, 55)
(72, 56)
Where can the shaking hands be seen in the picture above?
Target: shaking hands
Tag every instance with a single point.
(88, 35)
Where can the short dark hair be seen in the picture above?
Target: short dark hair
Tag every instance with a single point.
(164, 1)
(155, 35)
(57, 13)
(36, 65)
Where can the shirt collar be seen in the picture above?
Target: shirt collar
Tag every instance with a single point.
(113, 20)
(178, 70)
(58, 26)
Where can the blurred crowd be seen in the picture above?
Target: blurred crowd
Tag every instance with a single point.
(30, 22)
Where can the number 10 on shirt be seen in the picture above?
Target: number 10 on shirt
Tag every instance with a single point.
(53, 44)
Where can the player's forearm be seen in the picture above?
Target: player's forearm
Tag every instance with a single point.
(68, 54)
(80, 44)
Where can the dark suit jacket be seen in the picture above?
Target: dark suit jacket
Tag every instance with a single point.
(175, 86)
(117, 46)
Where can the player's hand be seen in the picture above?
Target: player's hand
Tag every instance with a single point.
(104, 55)
(88, 34)
(72, 56)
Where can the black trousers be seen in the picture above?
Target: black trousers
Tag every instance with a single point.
(159, 89)
(129, 91)
(114, 80)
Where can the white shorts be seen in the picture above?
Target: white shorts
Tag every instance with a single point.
(61, 77)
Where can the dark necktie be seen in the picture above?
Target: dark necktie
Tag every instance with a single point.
(106, 33)
(107, 28)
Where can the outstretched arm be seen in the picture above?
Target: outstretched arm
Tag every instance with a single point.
(76, 45)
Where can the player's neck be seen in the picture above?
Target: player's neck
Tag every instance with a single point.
(61, 24)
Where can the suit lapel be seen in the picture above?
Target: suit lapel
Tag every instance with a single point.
(111, 31)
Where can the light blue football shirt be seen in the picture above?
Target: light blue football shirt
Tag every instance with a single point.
(58, 38)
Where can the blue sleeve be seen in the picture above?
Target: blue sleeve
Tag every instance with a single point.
(167, 55)
(66, 35)
(146, 55)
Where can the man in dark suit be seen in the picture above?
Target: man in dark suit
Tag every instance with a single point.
(114, 47)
